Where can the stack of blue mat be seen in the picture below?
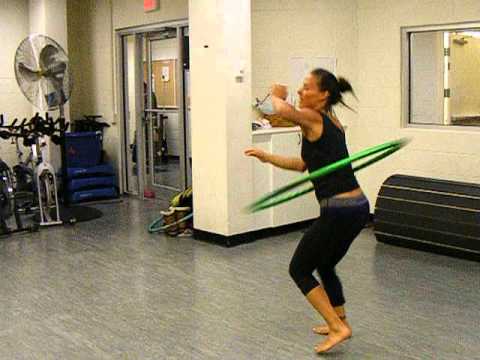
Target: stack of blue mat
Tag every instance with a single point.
(88, 178)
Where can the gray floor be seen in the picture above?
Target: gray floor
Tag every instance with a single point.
(109, 290)
(169, 173)
(165, 175)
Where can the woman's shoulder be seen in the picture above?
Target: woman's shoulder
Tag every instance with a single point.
(332, 119)
(312, 114)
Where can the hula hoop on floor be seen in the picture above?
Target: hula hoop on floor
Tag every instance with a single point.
(154, 226)
(280, 195)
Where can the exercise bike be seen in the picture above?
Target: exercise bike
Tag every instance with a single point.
(45, 179)
(44, 182)
(8, 198)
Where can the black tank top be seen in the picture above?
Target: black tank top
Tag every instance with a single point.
(329, 148)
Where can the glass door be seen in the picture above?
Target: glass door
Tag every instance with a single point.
(156, 108)
(185, 40)
(165, 115)
(133, 114)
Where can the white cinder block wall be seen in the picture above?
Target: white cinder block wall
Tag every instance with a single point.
(308, 28)
(19, 19)
(129, 13)
(438, 153)
(91, 54)
(13, 104)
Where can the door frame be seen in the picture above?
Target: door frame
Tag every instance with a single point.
(122, 104)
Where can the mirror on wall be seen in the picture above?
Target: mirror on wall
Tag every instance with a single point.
(441, 76)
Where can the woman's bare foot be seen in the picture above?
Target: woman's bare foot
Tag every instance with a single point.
(324, 329)
(334, 337)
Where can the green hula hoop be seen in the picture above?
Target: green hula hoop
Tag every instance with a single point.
(280, 195)
(154, 228)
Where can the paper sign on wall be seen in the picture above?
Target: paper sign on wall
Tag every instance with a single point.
(165, 73)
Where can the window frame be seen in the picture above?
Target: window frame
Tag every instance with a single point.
(405, 85)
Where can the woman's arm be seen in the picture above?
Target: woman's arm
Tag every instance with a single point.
(284, 162)
(306, 118)
(303, 117)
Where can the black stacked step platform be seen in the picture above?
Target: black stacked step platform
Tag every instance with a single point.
(428, 214)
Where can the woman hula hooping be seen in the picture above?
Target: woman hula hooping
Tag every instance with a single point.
(344, 208)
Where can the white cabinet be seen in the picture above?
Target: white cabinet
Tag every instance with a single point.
(262, 184)
(302, 208)
(268, 178)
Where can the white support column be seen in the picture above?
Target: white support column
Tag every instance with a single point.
(49, 17)
(220, 71)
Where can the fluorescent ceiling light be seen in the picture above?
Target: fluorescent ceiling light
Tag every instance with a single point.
(475, 34)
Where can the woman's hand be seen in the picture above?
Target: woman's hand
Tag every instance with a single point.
(279, 91)
(258, 153)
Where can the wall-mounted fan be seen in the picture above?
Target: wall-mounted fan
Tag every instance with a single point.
(43, 73)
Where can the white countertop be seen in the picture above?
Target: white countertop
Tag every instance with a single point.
(276, 130)
(281, 130)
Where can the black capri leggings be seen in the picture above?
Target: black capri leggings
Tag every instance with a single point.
(326, 242)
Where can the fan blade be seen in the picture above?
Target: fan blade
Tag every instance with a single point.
(47, 56)
(27, 73)
(55, 69)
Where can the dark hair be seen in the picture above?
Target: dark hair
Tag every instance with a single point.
(326, 81)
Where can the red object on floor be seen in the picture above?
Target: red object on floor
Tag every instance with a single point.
(149, 194)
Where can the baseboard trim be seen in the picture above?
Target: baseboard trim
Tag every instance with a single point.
(371, 220)
(245, 238)
(235, 240)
